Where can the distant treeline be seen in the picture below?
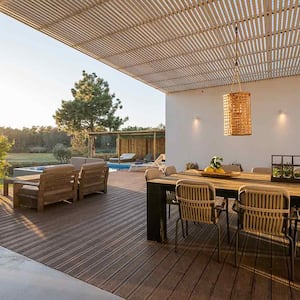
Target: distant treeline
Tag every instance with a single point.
(41, 139)
(35, 139)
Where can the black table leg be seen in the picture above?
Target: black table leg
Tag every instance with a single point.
(156, 212)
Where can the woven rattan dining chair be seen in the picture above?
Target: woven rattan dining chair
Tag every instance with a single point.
(171, 196)
(153, 173)
(197, 203)
(264, 210)
(261, 170)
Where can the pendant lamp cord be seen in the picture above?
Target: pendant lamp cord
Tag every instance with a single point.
(236, 76)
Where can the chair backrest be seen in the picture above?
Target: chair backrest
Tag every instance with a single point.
(261, 170)
(264, 209)
(153, 173)
(94, 169)
(160, 159)
(169, 170)
(125, 156)
(77, 162)
(55, 182)
(91, 160)
(59, 169)
(148, 157)
(196, 200)
(231, 168)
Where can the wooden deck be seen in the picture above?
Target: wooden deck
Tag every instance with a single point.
(102, 240)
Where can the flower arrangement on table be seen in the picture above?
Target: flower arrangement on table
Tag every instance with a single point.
(215, 165)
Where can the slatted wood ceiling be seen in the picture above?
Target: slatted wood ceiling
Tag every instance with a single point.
(174, 45)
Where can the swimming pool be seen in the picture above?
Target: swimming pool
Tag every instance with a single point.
(116, 166)
(39, 169)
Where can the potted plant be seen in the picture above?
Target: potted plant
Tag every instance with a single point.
(297, 173)
(287, 170)
(276, 172)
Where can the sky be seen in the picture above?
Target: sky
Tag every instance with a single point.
(37, 73)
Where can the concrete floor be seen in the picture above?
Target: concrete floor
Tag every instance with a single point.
(23, 278)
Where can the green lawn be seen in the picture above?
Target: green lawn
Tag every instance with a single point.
(19, 160)
(35, 158)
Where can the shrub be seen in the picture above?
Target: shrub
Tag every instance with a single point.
(62, 153)
(5, 146)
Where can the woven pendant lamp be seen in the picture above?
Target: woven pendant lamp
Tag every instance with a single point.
(237, 107)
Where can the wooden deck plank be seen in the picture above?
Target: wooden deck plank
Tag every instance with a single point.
(166, 287)
(102, 240)
(243, 285)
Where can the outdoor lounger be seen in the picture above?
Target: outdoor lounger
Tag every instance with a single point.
(125, 157)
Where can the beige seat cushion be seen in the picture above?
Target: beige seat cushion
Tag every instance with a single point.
(90, 160)
(29, 191)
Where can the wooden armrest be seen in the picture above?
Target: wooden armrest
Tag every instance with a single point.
(24, 182)
(220, 208)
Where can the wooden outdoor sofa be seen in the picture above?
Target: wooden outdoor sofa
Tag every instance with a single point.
(56, 184)
(60, 183)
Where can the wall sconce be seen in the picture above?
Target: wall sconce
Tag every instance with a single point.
(282, 117)
(197, 118)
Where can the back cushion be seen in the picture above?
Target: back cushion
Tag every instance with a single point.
(93, 165)
(77, 162)
(94, 160)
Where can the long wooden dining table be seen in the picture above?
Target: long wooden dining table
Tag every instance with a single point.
(225, 187)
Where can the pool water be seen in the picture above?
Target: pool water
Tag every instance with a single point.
(116, 166)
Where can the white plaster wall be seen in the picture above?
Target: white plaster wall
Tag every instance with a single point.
(189, 140)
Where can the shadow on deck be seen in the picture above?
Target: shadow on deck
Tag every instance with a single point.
(102, 241)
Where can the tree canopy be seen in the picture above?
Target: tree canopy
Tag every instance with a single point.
(92, 109)
(35, 139)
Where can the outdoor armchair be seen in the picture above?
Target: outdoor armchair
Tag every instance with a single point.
(56, 184)
(264, 210)
(92, 179)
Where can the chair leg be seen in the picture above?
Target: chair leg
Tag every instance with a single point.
(292, 257)
(176, 234)
(236, 248)
(295, 236)
(227, 219)
(16, 200)
(219, 243)
(187, 228)
(182, 229)
(169, 211)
